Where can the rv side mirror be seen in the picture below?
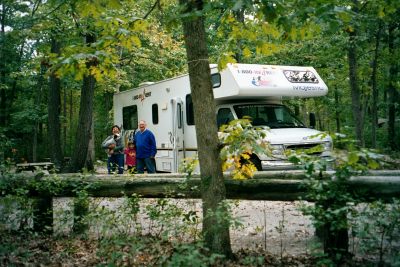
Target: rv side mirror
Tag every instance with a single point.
(312, 120)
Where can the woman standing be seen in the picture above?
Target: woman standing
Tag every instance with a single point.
(114, 145)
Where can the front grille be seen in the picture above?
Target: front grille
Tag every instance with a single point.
(311, 149)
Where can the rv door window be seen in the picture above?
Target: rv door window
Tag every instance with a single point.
(224, 116)
(216, 80)
(179, 113)
(154, 113)
(189, 110)
(130, 117)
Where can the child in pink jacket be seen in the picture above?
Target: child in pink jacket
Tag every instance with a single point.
(130, 158)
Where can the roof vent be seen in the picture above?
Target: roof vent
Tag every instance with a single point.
(145, 84)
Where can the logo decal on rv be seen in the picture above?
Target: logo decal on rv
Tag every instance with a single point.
(259, 81)
(142, 96)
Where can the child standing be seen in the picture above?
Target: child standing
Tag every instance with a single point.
(130, 159)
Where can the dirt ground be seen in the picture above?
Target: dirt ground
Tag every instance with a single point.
(276, 226)
(273, 226)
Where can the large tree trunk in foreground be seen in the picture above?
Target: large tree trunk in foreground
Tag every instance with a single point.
(215, 230)
(54, 111)
(82, 137)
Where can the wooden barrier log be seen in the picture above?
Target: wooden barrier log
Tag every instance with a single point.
(263, 187)
(272, 185)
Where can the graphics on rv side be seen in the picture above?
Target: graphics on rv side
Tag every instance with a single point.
(239, 90)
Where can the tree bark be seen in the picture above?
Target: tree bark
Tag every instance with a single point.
(37, 102)
(215, 231)
(374, 106)
(337, 109)
(90, 158)
(239, 14)
(392, 141)
(54, 111)
(354, 86)
(82, 137)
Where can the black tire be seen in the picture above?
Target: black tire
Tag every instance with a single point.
(257, 162)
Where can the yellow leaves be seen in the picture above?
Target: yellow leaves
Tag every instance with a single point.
(240, 140)
(96, 73)
(188, 165)
(349, 29)
(271, 30)
(92, 8)
(130, 41)
(114, 4)
(225, 59)
(241, 166)
(372, 164)
(267, 49)
(381, 12)
(308, 31)
(246, 52)
(139, 25)
(344, 16)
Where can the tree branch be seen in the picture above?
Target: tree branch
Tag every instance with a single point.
(152, 8)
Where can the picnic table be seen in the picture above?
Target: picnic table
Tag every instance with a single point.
(34, 166)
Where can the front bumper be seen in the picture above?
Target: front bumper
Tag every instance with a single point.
(277, 165)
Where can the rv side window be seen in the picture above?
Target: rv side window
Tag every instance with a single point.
(130, 117)
(154, 109)
(189, 110)
(216, 80)
(224, 116)
(179, 110)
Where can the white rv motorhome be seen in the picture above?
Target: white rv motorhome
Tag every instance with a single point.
(239, 90)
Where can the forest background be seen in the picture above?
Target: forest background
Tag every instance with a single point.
(61, 61)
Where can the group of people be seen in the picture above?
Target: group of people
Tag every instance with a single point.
(138, 155)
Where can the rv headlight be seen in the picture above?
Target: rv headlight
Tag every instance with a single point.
(277, 150)
(327, 146)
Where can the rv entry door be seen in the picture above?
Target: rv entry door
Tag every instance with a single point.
(176, 137)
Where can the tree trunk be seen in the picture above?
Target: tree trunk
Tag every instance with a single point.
(239, 14)
(337, 109)
(65, 123)
(71, 119)
(374, 106)
(354, 86)
(4, 107)
(90, 158)
(37, 102)
(392, 141)
(54, 111)
(215, 230)
(82, 137)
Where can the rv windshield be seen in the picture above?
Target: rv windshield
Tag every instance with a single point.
(273, 116)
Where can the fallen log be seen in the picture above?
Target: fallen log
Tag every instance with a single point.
(276, 185)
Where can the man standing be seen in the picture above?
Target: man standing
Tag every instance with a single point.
(145, 149)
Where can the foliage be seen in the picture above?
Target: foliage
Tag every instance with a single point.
(332, 199)
(188, 165)
(239, 141)
(377, 227)
(223, 216)
(194, 254)
(6, 159)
